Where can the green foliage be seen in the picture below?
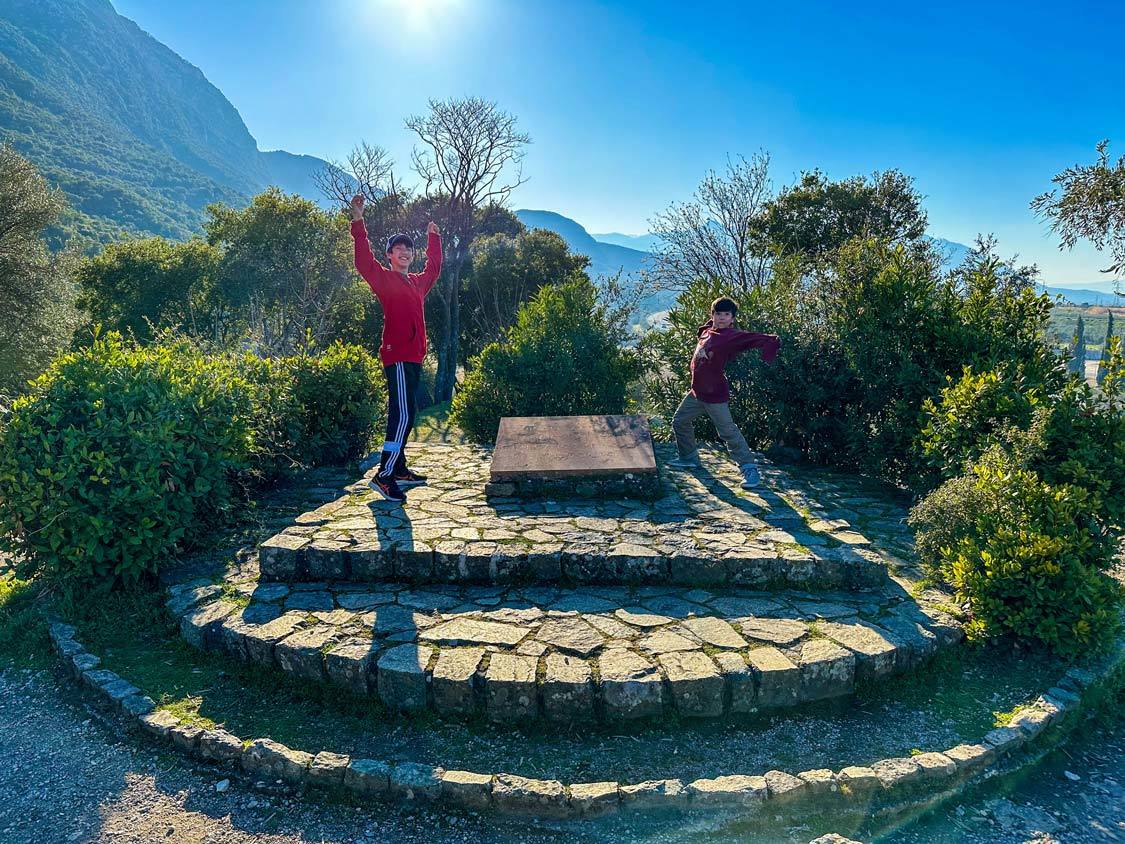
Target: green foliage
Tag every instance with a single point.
(286, 265)
(1054, 425)
(137, 286)
(1033, 507)
(559, 359)
(23, 631)
(1089, 206)
(816, 217)
(340, 401)
(505, 272)
(866, 339)
(1077, 363)
(1104, 363)
(117, 457)
(123, 455)
(1021, 553)
(977, 411)
(38, 314)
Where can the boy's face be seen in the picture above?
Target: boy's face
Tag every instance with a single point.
(400, 257)
(722, 319)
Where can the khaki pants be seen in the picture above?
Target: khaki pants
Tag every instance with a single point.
(691, 409)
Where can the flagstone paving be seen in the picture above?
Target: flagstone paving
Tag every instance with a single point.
(703, 530)
(594, 653)
(709, 601)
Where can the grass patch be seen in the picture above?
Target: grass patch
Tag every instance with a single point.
(969, 684)
(432, 425)
(23, 631)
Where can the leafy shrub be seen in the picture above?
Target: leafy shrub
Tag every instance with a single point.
(1025, 555)
(1048, 422)
(122, 455)
(275, 416)
(972, 414)
(560, 358)
(866, 339)
(340, 402)
(118, 456)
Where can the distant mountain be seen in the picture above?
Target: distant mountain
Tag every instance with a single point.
(641, 242)
(137, 137)
(605, 258)
(1079, 296)
(952, 252)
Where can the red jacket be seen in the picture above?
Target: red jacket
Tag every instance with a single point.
(404, 317)
(712, 353)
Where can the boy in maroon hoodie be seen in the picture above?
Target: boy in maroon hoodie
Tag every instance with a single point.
(402, 294)
(719, 342)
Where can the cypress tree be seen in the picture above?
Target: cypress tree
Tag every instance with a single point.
(1078, 350)
(1105, 349)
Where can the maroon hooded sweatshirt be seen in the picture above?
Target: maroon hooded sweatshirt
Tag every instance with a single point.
(717, 348)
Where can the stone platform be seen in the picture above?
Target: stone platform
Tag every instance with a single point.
(539, 457)
(702, 530)
(517, 654)
(705, 602)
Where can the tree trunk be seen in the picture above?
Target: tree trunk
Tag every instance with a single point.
(449, 346)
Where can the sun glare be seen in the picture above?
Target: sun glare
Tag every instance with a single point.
(415, 15)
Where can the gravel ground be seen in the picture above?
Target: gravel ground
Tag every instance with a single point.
(68, 776)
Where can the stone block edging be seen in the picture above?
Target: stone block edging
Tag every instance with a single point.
(899, 781)
(602, 681)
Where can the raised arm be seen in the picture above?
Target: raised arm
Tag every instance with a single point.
(429, 275)
(366, 265)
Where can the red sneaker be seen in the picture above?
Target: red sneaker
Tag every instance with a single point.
(409, 478)
(387, 488)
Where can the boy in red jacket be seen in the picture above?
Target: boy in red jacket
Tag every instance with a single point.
(403, 349)
(719, 342)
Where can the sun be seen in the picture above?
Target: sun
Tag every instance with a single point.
(416, 14)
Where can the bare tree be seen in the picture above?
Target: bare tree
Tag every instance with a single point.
(1091, 207)
(712, 236)
(368, 170)
(467, 152)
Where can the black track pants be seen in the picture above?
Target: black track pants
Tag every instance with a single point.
(402, 404)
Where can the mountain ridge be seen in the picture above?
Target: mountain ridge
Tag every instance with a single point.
(136, 136)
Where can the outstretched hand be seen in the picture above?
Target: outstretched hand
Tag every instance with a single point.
(432, 228)
(357, 206)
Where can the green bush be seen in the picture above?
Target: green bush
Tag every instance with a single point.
(559, 359)
(119, 455)
(341, 401)
(122, 455)
(1026, 556)
(1050, 423)
(973, 413)
(866, 338)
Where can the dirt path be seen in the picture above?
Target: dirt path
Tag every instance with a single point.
(66, 776)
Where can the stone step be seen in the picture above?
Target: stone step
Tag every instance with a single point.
(517, 654)
(703, 531)
(296, 556)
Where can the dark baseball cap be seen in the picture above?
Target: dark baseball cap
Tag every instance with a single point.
(395, 240)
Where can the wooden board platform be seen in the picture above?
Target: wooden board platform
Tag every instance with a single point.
(529, 447)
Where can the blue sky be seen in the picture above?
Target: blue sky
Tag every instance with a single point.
(629, 103)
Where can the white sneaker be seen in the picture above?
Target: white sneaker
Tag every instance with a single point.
(750, 477)
(685, 462)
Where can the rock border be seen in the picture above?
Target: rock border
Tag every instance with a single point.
(894, 782)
